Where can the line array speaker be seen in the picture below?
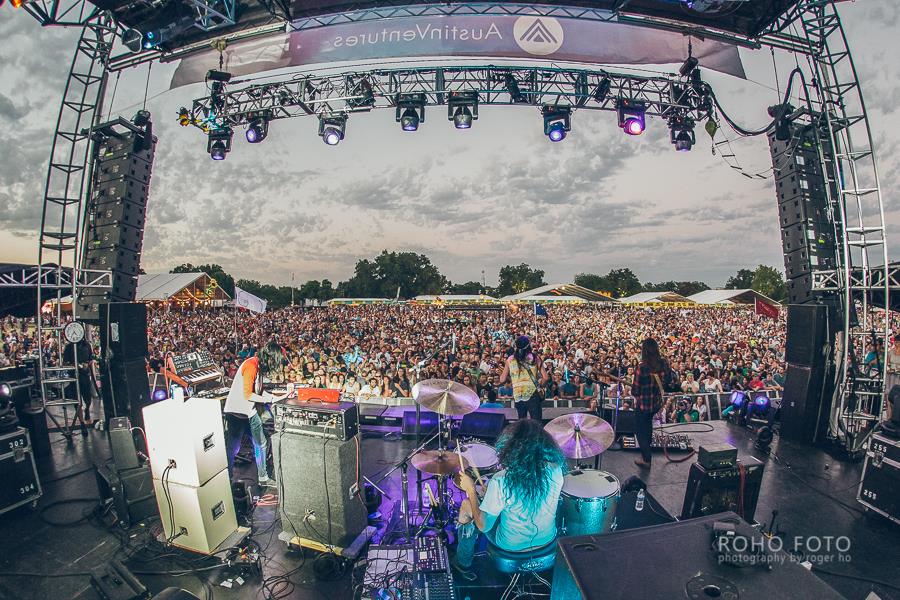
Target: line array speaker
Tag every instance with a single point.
(116, 212)
(807, 224)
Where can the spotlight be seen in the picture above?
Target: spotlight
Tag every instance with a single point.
(462, 109)
(760, 403)
(557, 122)
(512, 86)
(219, 143)
(688, 66)
(132, 39)
(681, 132)
(331, 128)
(366, 96)
(154, 37)
(5, 390)
(764, 439)
(410, 120)
(738, 398)
(602, 90)
(410, 111)
(257, 130)
(631, 115)
(159, 394)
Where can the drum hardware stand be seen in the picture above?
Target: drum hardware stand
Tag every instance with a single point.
(418, 371)
(616, 445)
(403, 465)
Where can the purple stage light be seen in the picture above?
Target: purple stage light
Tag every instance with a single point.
(633, 126)
(557, 132)
(159, 395)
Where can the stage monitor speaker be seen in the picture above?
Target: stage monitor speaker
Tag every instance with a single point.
(428, 422)
(482, 424)
(123, 330)
(121, 442)
(806, 403)
(126, 389)
(200, 518)
(318, 488)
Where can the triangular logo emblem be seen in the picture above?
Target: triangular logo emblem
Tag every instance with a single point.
(538, 33)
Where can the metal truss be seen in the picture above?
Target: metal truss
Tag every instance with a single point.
(67, 185)
(61, 13)
(366, 90)
(213, 14)
(858, 210)
(49, 277)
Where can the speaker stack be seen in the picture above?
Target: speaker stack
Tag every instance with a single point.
(807, 224)
(116, 212)
(809, 379)
(123, 343)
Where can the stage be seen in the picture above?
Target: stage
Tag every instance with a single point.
(813, 493)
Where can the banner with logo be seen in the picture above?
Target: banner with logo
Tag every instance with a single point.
(564, 40)
(765, 309)
(244, 299)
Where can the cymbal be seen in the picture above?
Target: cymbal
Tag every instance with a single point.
(436, 462)
(581, 435)
(446, 397)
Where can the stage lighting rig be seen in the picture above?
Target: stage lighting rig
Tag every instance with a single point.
(258, 129)
(219, 143)
(462, 109)
(557, 122)
(681, 132)
(410, 111)
(632, 117)
(602, 90)
(161, 35)
(331, 128)
(366, 95)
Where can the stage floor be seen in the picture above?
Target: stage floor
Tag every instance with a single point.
(813, 493)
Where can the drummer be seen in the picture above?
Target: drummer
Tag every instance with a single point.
(518, 512)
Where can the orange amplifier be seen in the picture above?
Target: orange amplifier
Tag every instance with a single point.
(318, 395)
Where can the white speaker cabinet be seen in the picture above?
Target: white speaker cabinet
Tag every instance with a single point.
(189, 435)
(204, 516)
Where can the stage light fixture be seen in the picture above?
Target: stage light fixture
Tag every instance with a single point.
(5, 390)
(132, 39)
(219, 143)
(631, 113)
(738, 398)
(761, 403)
(764, 439)
(782, 115)
(410, 111)
(410, 120)
(160, 394)
(688, 66)
(602, 90)
(681, 132)
(160, 35)
(366, 95)
(512, 86)
(257, 130)
(332, 128)
(462, 109)
(557, 122)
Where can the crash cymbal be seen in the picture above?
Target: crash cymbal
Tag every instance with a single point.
(436, 462)
(446, 397)
(581, 435)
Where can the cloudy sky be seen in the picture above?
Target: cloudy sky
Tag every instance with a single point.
(473, 200)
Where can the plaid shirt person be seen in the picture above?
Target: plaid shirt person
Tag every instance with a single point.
(647, 396)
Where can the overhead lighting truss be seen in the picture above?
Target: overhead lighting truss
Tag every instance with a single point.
(343, 93)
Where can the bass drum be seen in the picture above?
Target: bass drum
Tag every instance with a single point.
(587, 505)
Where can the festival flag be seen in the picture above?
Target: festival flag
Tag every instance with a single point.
(765, 309)
(539, 310)
(247, 300)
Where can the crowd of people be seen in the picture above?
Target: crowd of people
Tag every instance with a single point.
(381, 351)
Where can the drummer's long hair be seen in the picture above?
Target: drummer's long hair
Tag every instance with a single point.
(530, 456)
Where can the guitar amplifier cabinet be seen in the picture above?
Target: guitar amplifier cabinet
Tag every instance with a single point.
(20, 484)
(880, 487)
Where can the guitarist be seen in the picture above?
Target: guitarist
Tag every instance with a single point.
(528, 376)
(652, 378)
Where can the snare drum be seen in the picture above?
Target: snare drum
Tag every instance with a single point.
(479, 455)
(588, 502)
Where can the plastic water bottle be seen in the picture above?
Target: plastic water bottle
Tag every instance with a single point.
(639, 503)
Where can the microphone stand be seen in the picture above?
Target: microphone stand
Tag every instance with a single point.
(615, 424)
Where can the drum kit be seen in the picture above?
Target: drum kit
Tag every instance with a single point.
(589, 496)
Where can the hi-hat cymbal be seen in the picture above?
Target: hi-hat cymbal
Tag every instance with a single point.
(581, 435)
(446, 397)
(436, 462)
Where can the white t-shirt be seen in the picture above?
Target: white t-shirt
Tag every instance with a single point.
(520, 529)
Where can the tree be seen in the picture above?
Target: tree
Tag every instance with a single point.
(517, 279)
(769, 282)
(225, 281)
(591, 281)
(469, 287)
(622, 282)
(413, 274)
(741, 281)
(685, 288)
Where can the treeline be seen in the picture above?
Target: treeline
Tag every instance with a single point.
(405, 275)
